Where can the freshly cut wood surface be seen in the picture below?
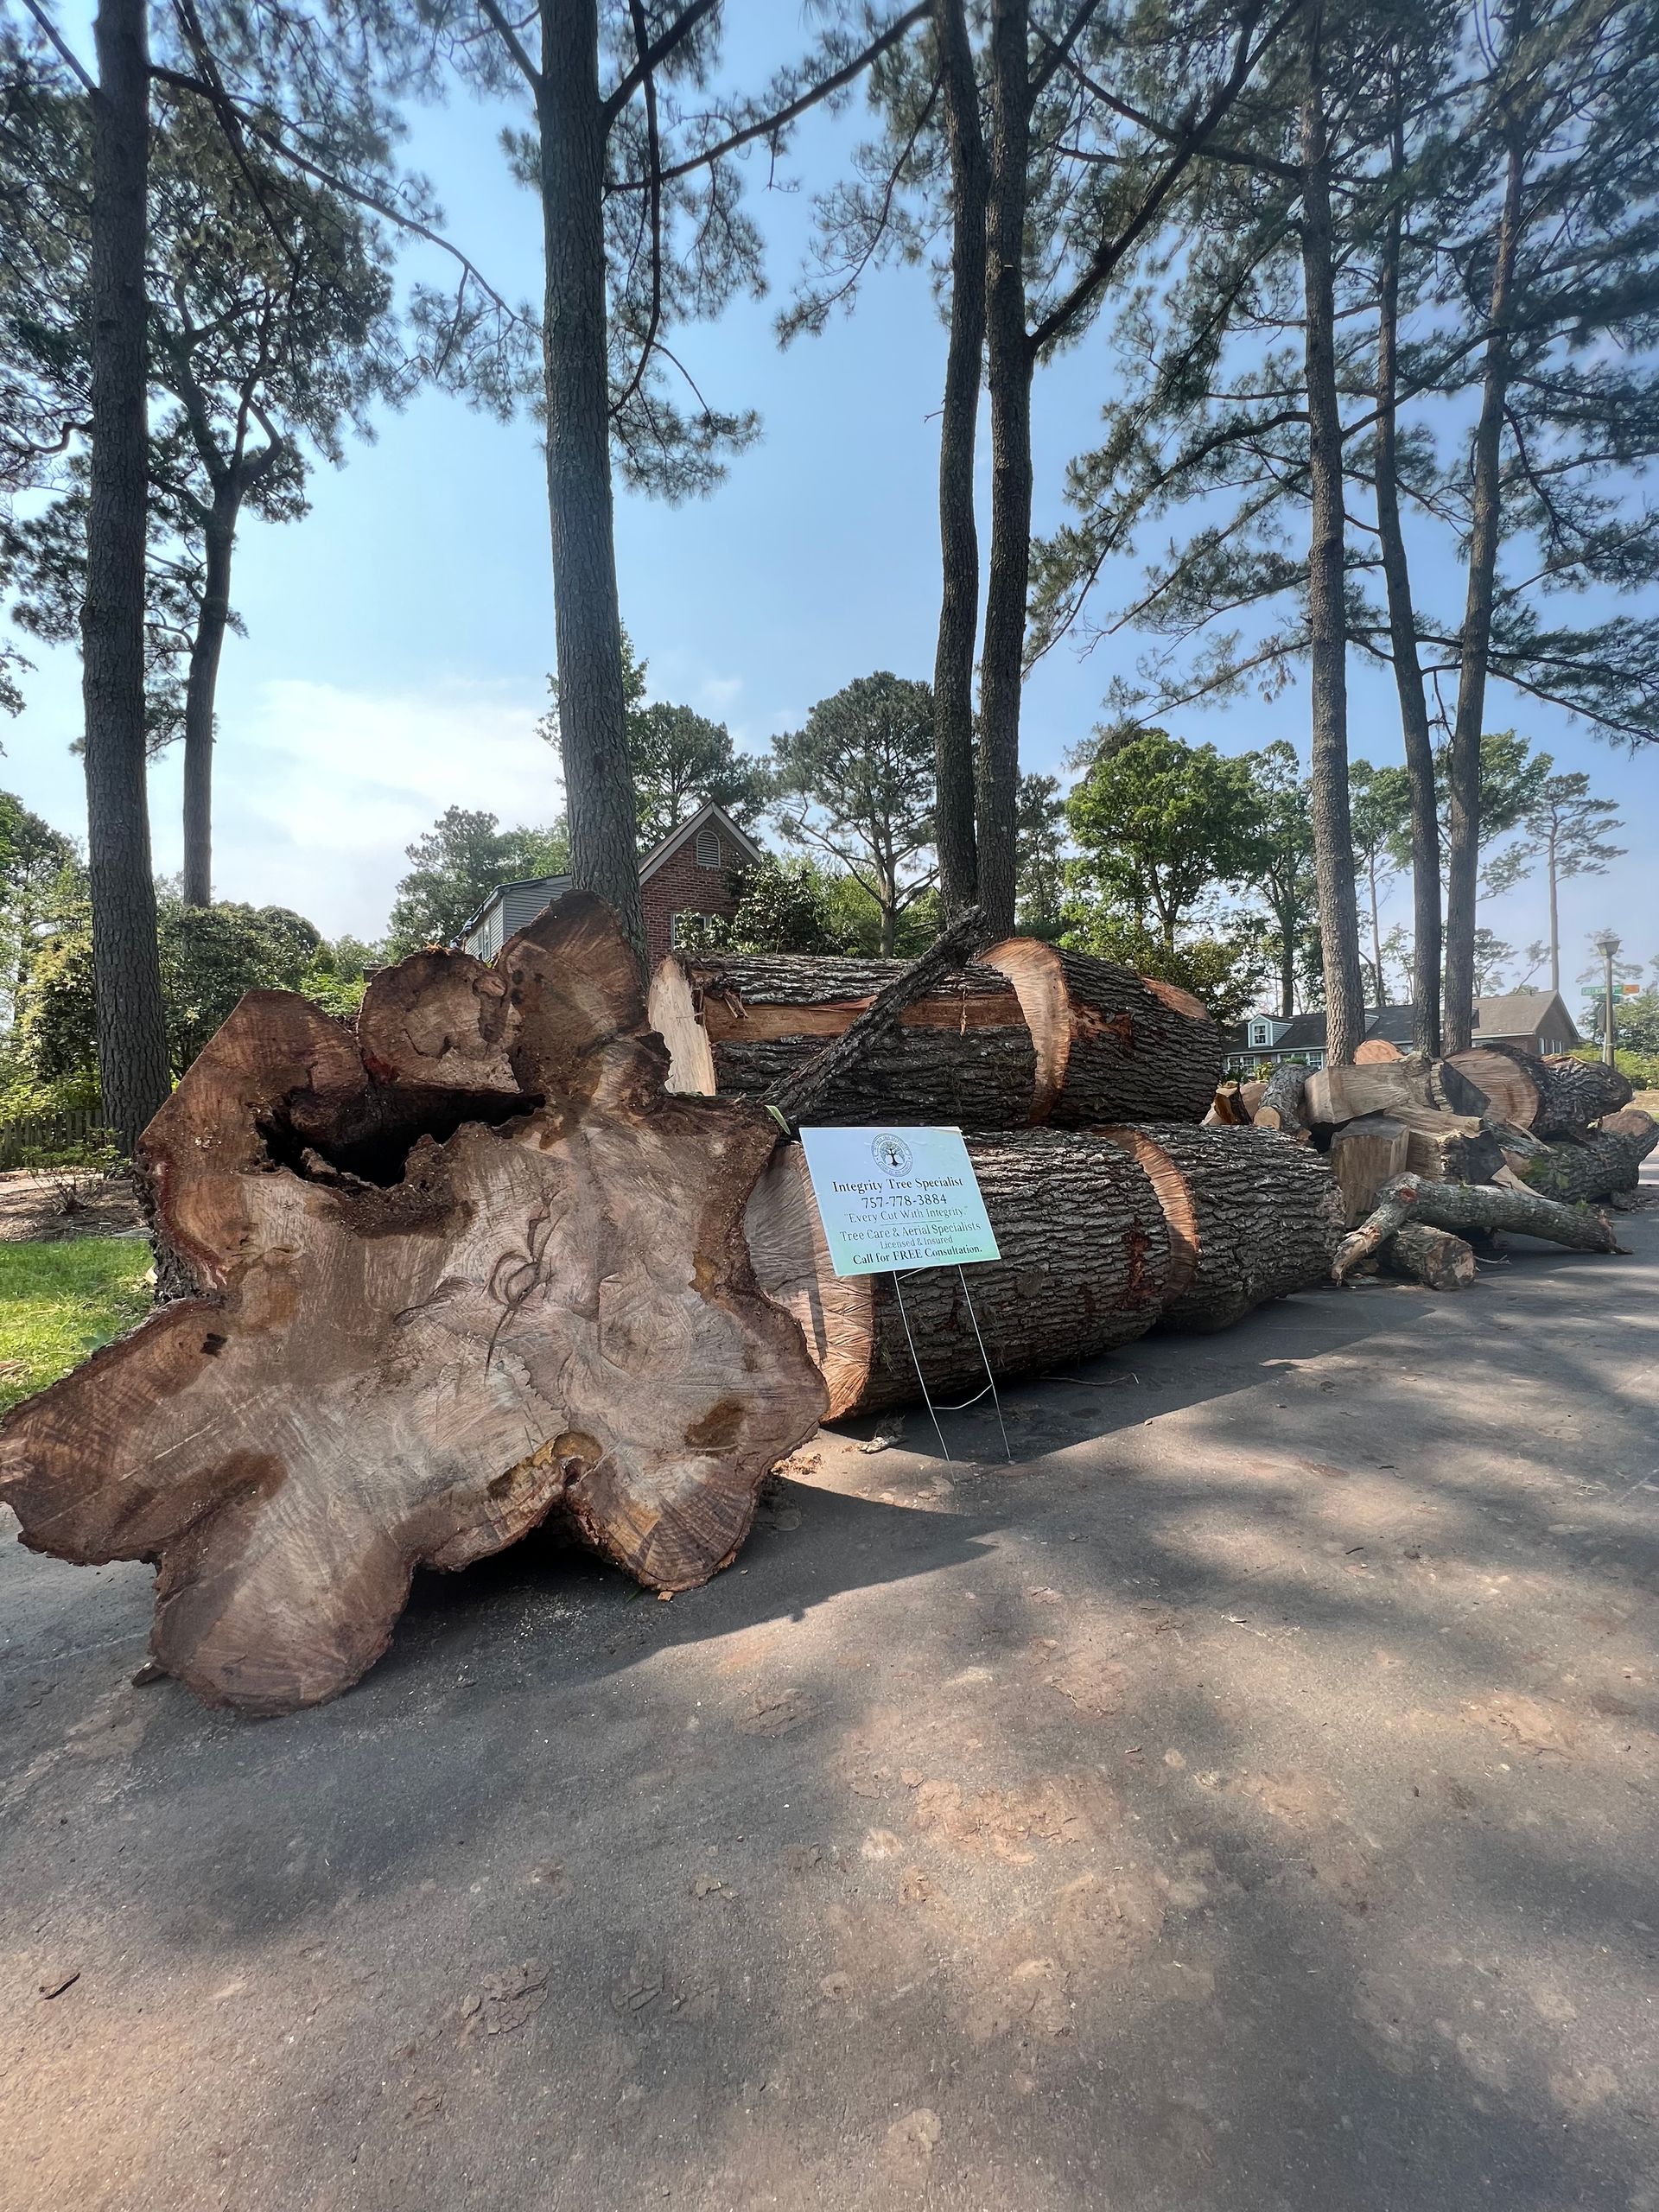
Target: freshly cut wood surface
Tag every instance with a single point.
(1374, 1051)
(1280, 1106)
(1333, 1096)
(474, 1271)
(1364, 1156)
(1085, 1260)
(1433, 1257)
(1511, 1083)
(737, 1024)
(1111, 1046)
(1251, 1217)
(1448, 1147)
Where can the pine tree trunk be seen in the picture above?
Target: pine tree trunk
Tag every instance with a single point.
(1485, 531)
(1554, 920)
(1333, 843)
(1407, 668)
(218, 537)
(1009, 365)
(598, 779)
(1085, 1259)
(457, 1272)
(132, 1057)
(953, 664)
(1250, 1217)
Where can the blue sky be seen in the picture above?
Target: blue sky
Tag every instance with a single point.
(399, 638)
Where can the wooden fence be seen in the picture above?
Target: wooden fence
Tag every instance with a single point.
(46, 1133)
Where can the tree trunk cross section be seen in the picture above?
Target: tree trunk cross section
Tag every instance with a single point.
(466, 1268)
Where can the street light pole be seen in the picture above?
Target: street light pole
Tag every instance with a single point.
(1606, 943)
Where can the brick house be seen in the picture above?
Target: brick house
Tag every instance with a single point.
(688, 873)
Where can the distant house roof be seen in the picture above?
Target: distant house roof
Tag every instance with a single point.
(524, 899)
(1524, 1014)
(706, 814)
(1539, 1014)
(1305, 1032)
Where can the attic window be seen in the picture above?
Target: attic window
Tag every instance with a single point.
(1258, 1033)
(709, 847)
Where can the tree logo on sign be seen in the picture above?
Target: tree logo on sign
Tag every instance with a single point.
(892, 1154)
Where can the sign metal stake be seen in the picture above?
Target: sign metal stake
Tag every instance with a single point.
(962, 1404)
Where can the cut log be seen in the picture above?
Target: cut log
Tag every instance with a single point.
(1234, 1105)
(1084, 1265)
(1578, 1093)
(1473, 1208)
(1111, 1046)
(1432, 1256)
(1374, 1051)
(1251, 1218)
(1448, 1147)
(1607, 1161)
(1364, 1156)
(1510, 1083)
(457, 1272)
(1279, 1106)
(736, 1025)
(1333, 1096)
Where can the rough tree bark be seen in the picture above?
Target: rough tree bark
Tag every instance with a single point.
(1432, 1256)
(1250, 1217)
(1333, 843)
(1472, 1205)
(1608, 1160)
(1111, 1046)
(1009, 363)
(462, 1270)
(1403, 641)
(737, 1024)
(1084, 1257)
(132, 1058)
(1485, 519)
(598, 779)
(953, 663)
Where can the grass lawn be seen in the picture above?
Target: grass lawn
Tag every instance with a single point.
(60, 1301)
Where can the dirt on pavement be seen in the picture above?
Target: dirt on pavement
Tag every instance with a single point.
(1243, 1802)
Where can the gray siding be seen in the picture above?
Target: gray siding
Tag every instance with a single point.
(513, 906)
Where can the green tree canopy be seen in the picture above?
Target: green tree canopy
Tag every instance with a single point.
(457, 863)
(857, 782)
(681, 758)
(1161, 824)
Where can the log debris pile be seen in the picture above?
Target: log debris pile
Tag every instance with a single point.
(1492, 1139)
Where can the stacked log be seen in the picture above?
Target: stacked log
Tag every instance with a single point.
(1102, 1234)
(1601, 1164)
(1084, 1265)
(1027, 1034)
(1250, 1217)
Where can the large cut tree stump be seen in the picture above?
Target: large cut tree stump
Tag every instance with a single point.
(1085, 1257)
(736, 1024)
(466, 1268)
(1111, 1046)
(1558, 1096)
(1252, 1216)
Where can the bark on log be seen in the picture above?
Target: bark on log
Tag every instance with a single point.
(1473, 1207)
(1279, 1106)
(457, 1272)
(1250, 1217)
(1429, 1255)
(1364, 1156)
(1084, 1265)
(1607, 1161)
(1111, 1044)
(1234, 1105)
(736, 1024)
(1578, 1093)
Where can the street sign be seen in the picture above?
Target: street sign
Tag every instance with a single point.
(896, 1198)
(1630, 990)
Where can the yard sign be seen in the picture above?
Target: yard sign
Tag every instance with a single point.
(896, 1198)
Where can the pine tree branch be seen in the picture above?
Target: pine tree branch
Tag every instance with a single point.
(647, 59)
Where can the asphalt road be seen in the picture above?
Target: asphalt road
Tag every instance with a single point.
(1245, 1802)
